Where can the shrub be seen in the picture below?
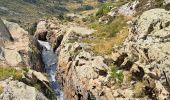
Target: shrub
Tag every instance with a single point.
(116, 74)
(104, 9)
(138, 89)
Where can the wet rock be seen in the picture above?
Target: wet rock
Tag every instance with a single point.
(39, 76)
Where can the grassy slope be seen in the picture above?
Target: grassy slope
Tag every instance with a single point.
(25, 12)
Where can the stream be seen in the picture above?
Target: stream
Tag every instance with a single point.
(50, 60)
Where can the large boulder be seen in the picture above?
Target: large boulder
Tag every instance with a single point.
(15, 90)
(129, 9)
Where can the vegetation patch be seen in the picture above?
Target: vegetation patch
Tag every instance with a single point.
(107, 35)
(116, 75)
(1, 89)
(10, 72)
(104, 9)
(159, 3)
(139, 89)
(110, 29)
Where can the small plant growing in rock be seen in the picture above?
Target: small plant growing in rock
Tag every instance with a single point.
(139, 89)
(116, 75)
(1, 89)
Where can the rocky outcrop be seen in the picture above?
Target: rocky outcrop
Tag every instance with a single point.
(134, 8)
(15, 90)
(143, 55)
(139, 6)
(129, 9)
(15, 52)
(80, 70)
(145, 52)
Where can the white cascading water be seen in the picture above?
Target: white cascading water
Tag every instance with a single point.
(50, 60)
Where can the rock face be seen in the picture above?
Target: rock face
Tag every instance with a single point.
(4, 33)
(133, 8)
(146, 48)
(15, 52)
(128, 9)
(136, 7)
(80, 70)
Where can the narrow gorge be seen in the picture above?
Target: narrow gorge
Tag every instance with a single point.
(119, 51)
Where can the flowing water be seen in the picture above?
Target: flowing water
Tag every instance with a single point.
(50, 60)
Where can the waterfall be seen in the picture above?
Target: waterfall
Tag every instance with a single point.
(49, 58)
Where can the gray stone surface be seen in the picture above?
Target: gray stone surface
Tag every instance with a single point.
(15, 90)
(147, 47)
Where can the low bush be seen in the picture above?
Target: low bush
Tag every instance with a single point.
(139, 89)
(10, 72)
(116, 74)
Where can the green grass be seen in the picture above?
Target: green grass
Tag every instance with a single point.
(106, 37)
(110, 29)
(104, 9)
(26, 13)
(116, 74)
(10, 72)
